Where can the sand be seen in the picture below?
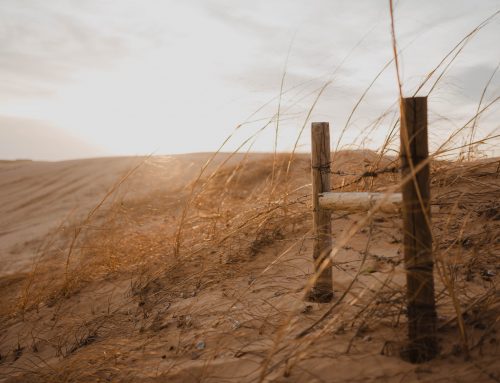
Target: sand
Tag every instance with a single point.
(37, 197)
(122, 306)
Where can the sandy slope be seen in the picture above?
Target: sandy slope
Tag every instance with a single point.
(37, 197)
(122, 307)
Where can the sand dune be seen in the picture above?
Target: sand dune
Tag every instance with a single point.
(37, 197)
(117, 303)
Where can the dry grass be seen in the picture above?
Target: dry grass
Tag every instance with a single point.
(207, 283)
(238, 282)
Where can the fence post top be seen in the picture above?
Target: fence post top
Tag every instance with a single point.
(417, 98)
(320, 123)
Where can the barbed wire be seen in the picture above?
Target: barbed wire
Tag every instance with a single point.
(366, 174)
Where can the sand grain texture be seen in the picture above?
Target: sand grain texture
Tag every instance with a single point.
(121, 307)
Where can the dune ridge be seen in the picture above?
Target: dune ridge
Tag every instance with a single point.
(116, 304)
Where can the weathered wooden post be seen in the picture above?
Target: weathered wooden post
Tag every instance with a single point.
(322, 290)
(418, 257)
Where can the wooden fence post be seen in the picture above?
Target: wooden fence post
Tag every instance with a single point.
(418, 257)
(322, 290)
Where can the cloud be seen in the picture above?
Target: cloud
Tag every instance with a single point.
(131, 68)
(473, 80)
(44, 44)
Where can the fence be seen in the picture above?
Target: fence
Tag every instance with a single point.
(414, 203)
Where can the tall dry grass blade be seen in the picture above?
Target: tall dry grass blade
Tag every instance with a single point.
(473, 127)
(395, 49)
(278, 116)
(459, 45)
(92, 212)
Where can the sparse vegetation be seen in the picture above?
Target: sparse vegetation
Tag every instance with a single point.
(206, 281)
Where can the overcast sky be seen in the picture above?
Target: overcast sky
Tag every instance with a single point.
(85, 78)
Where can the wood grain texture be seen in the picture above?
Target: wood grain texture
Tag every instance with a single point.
(322, 290)
(417, 230)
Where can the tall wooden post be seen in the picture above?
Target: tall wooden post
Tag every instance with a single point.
(322, 290)
(419, 262)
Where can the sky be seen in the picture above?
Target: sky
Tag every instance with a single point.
(87, 78)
